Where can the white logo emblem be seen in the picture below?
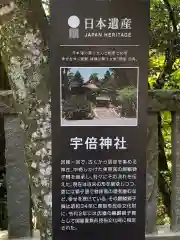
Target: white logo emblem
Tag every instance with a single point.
(73, 23)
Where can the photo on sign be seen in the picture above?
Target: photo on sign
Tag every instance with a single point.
(99, 96)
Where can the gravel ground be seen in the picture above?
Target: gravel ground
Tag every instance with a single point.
(105, 113)
(4, 236)
(101, 122)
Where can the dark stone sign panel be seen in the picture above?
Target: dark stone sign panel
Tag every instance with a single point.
(99, 91)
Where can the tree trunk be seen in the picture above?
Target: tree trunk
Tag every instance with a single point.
(24, 54)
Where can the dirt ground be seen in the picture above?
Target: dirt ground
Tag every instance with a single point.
(4, 236)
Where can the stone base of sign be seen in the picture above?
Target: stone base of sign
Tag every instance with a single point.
(17, 180)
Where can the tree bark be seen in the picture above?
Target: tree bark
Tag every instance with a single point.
(25, 57)
(4, 83)
(163, 166)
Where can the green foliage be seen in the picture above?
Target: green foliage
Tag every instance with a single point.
(94, 76)
(95, 80)
(77, 108)
(127, 98)
(164, 65)
(78, 78)
(162, 217)
(127, 94)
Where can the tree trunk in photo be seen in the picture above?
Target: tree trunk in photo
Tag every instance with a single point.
(24, 53)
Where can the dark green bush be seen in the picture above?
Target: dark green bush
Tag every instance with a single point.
(127, 99)
(77, 108)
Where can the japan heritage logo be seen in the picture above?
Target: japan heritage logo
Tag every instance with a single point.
(113, 27)
(73, 22)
